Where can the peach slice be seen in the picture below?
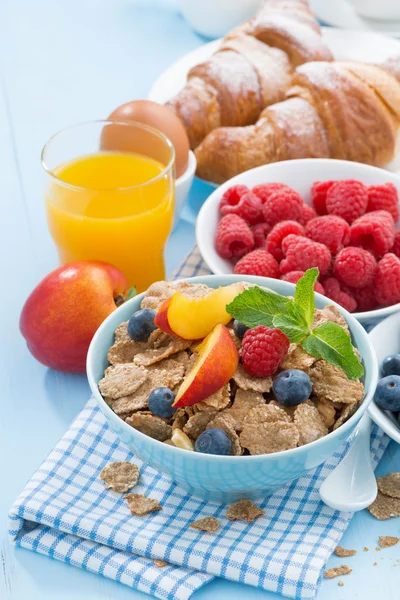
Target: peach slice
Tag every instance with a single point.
(217, 362)
(161, 318)
(194, 318)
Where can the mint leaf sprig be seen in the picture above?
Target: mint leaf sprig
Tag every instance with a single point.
(257, 306)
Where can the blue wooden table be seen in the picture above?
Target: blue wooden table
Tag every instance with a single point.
(64, 61)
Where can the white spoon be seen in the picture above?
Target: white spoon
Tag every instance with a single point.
(352, 485)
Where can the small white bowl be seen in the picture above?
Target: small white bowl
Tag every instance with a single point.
(214, 18)
(385, 339)
(183, 185)
(300, 175)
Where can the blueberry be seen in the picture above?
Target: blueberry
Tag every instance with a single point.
(387, 393)
(239, 329)
(292, 387)
(141, 324)
(213, 441)
(391, 365)
(160, 402)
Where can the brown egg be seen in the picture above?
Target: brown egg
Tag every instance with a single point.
(155, 115)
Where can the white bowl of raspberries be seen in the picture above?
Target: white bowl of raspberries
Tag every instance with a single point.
(281, 219)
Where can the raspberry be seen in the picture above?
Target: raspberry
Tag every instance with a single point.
(260, 232)
(365, 298)
(307, 213)
(283, 205)
(234, 237)
(335, 293)
(387, 280)
(264, 190)
(258, 262)
(294, 276)
(302, 254)
(318, 195)
(232, 196)
(249, 208)
(347, 199)
(330, 230)
(374, 231)
(263, 350)
(355, 267)
(395, 249)
(278, 234)
(384, 197)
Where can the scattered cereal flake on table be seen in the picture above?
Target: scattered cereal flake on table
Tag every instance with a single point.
(386, 541)
(247, 382)
(181, 440)
(329, 313)
(154, 427)
(337, 571)
(155, 355)
(378, 548)
(375, 564)
(120, 476)
(198, 423)
(348, 411)
(244, 510)
(217, 401)
(385, 507)
(340, 583)
(209, 524)
(160, 563)
(122, 380)
(140, 505)
(366, 549)
(227, 424)
(327, 411)
(389, 484)
(266, 438)
(309, 423)
(266, 413)
(342, 552)
(330, 382)
(297, 358)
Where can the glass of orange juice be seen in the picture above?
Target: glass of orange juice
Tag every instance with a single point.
(110, 196)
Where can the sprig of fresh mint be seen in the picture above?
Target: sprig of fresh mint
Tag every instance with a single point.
(295, 316)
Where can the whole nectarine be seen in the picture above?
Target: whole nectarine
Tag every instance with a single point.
(63, 312)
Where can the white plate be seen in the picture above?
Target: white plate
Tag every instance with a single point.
(345, 45)
(341, 14)
(385, 339)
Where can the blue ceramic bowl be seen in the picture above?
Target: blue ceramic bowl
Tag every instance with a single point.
(227, 478)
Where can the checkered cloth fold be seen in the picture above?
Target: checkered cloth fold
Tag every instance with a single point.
(66, 513)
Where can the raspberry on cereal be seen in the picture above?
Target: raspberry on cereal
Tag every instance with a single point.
(347, 199)
(384, 197)
(249, 208)
(307, 213)
(318, 195)
(302, 254)
(395, 249)
(264, 190)
(259, 262)
(282, 205)
(330, 230)
(374, 231)
(387, 280)
(234, 237)
(294, 276)
(263, 350)
(232, 196)
(365, 298)
(354, 267)
(337, 294)
(260, 232)
(278, 234)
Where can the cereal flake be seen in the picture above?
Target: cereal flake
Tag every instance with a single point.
(122, 380)
(217, 401)
(337, 571)
(227, 424)
(160, 563)
(329, 313)
(121, 333)
(309, 423)
(244, 510)
(385, 507)
(208, 524)
(342, 552)
(387, 541)
(245, 381)
(266, 413)
(297, 358)
(155, 355)
(327, 411)
(140, 505)
(331, 383)
(266, 438)
(154, 427)
(389, 484)
(124, 351)
(120, 476)
(198, 423)
(347, 412)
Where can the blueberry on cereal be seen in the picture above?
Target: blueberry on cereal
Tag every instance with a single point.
(141, 324)
(160, 402)
(390, 365)
(292, 387)
(239, 329)
(387, 394)
(213, 441)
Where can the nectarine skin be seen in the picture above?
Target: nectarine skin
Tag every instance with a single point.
(217, 362)
(161, 318)
(64, 311)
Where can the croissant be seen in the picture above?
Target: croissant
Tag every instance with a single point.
(343, 110)
(251, 70)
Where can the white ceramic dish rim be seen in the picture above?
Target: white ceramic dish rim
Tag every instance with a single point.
(379, 313)
(254, 458)
(190, 170)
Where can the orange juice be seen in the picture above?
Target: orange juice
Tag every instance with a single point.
(116, 207)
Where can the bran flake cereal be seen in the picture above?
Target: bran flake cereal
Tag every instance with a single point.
(140, 505)
(244, 510)
(208, 524)
(120, 476)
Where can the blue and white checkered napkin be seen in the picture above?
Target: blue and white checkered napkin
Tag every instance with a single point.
(65, 512)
